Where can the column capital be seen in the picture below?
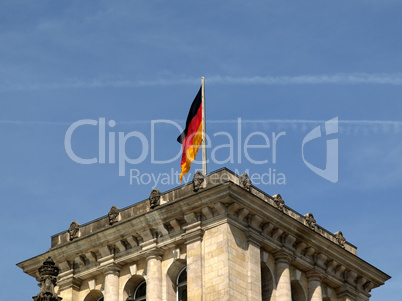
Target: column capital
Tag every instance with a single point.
(112, 268)
(68, 280)
(346, 293)
(193, 236)
(281, 257)
(313, 275)
(253, 238)
(155, 253)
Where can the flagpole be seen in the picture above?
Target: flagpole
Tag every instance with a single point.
(204, 148)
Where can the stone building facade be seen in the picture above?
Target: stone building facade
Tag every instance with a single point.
(218, 238)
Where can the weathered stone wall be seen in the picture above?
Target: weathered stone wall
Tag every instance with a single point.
(216, 263)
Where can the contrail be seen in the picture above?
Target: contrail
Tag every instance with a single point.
(352, 78)
(299, 121)
(339, 79)
(345, 126)
(221, 121)
(33, 122)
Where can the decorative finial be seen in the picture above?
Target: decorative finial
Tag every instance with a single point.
(113, 215)
(154, 198)
(73, 230)
(310, 220)
(279, 202)
(198, 179)
(341, 239)
(48, 273)
(245, 181)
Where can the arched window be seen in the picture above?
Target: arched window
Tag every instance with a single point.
(94, 295)
(181, 285)
(298, 293)
(267, 283)
(173, 274)
(135, 288)
(141, 292)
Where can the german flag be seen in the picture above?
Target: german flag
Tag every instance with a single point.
(191, 137)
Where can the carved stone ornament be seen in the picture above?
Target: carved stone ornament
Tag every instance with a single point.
(341, 240)
(73, 230)
(245, 181)
(154, 198)
(198, 179)
(113, 215)
(279, 202)
(310, 220)
(48, 273)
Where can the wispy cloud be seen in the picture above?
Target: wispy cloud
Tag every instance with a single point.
(338, 79)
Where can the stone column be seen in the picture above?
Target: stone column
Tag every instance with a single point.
(154, 275)
(314, 285)
(194, 265)
(283, 287)
(112, 273)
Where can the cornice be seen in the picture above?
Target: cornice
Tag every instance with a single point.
(183, 216)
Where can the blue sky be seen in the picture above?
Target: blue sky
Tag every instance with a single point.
(279, 66)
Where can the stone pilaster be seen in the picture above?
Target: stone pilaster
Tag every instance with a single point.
(254, 269)
(69, 286)
(283, 287)
(346, 293)
(112, 273)
(154, 275)
(194, 265)
(314, 285)
(193, 236)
